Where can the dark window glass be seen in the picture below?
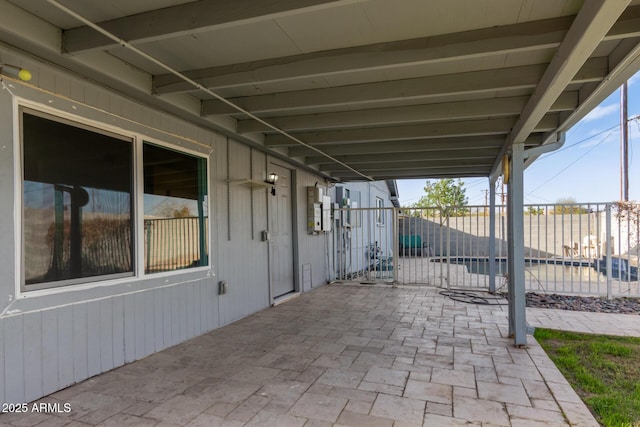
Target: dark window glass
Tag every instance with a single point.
(379, 211)
(175, 210)
(77, 203)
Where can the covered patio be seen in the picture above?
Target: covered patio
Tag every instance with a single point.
(346, 355)
(359, 90)
(337, 91)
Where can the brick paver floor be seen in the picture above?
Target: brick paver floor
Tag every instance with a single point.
(339, 355)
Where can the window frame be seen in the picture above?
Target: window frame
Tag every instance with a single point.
(379, 211)
(140, 219)
(137, 139)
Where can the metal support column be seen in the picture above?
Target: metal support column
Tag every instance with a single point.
(492, 236)
(515, 209)
(395, 214)
(609, 253)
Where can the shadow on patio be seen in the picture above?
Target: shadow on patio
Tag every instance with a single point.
(341, 354)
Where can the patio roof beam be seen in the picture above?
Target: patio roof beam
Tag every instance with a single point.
(535, 35)
(184, 19)
(589, 28)
(413, 145)
(460, 110)
(462, 172)
(452, 129)
(542, 34)
(597, 17)
(624, 59)
(432, 164)
(368, 94)
(441, 155)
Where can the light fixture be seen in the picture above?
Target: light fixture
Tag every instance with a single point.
(15, 72)
(272, 179)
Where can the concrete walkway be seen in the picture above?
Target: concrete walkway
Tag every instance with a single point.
(339, 355)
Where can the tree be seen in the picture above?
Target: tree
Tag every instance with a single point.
(532, 210)
(172, 209)
(448, 195)
(568, 205)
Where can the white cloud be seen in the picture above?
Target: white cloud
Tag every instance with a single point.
(601, 111)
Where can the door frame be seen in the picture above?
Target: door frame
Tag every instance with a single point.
(294, 230)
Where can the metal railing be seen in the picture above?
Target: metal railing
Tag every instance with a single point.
(174, 243)
(581, 248)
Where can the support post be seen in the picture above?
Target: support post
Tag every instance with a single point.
(492, 236)
(515, 209)
(609, 252)
(395, 213)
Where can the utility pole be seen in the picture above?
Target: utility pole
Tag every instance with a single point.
(624, 144)
(486, 201)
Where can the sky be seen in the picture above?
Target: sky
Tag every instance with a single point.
(586, 168)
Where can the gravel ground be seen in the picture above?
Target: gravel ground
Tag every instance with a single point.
(578, 303)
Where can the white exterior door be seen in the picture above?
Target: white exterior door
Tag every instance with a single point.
(281, 234)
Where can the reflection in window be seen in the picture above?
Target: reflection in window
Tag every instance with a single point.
(77, 204)
(175, 210)
(379, 211)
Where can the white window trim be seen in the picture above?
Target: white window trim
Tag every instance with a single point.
(380, 211)
(138, 139)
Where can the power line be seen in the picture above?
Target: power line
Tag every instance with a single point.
(579, 142)
(572, 163)
(537, 197)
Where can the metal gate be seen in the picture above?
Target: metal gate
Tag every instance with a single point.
(416, 246)
(446, 247)
(584, 249)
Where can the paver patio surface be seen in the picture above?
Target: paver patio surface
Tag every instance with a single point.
(338, 355)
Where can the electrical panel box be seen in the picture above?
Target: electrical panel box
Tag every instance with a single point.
(318, 211)
(314, 194)
(314, 210)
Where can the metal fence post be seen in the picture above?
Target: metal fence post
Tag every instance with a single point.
(448, 219)
(492, 237)
(609, 262)
(395, 213)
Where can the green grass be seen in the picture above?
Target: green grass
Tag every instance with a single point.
(604, 371)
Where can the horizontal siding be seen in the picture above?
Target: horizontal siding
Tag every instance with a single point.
(45, 351)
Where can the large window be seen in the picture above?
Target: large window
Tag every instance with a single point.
(79, 204)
